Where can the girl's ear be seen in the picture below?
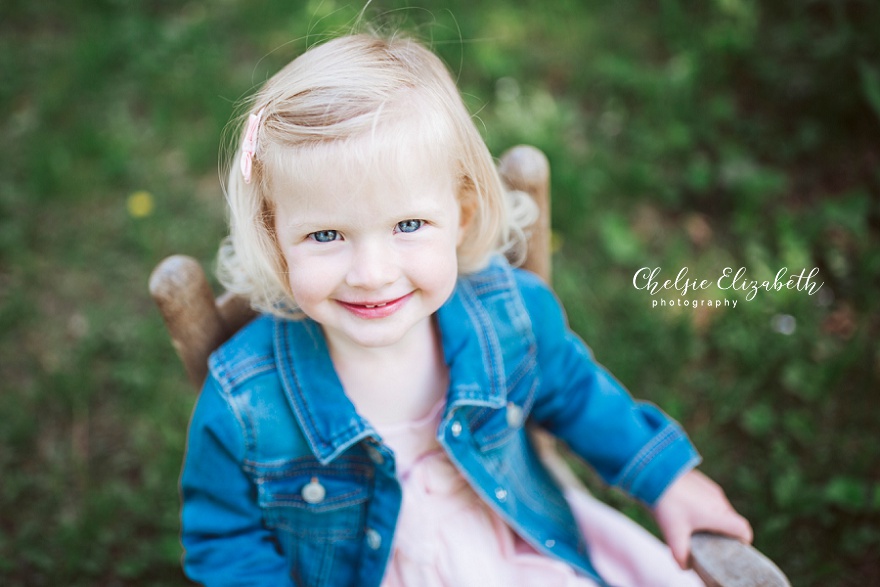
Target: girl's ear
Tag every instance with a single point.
(467, 201)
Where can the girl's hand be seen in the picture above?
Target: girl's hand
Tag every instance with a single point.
(693, 503)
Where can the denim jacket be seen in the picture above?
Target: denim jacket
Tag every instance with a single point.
(284, 483)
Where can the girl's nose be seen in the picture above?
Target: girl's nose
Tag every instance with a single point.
(373, 265)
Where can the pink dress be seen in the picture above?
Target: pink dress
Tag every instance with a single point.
(447, 537)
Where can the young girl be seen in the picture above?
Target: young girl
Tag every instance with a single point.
(370, 427)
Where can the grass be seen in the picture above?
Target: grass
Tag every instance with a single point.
(681, 134)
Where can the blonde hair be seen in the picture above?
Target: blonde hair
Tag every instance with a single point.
(324, 101)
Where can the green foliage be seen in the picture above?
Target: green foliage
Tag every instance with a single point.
(727, 133)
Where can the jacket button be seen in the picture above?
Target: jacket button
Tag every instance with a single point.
(375, 455)
(456, 429)
(514, 415)
(313, 491)
(550, 543)
(501, 494)
(374, 539)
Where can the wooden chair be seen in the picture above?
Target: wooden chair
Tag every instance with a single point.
(198, 324)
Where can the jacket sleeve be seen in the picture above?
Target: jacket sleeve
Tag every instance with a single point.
(224, 540)
(632, 445)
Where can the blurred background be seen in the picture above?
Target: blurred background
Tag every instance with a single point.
(681, 133)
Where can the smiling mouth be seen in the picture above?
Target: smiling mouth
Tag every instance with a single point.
(377, 310)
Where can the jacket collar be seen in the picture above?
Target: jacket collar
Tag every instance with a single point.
(472, 351)
(471, 345)
(326, 416)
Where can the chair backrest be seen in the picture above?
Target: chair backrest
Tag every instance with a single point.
(198, 323)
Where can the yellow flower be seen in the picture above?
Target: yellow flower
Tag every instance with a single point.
(140, 204)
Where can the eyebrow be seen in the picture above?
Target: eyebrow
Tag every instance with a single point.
(311, 225)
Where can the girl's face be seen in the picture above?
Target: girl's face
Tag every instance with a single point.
(371, 248)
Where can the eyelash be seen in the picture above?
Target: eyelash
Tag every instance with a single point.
(328, 236)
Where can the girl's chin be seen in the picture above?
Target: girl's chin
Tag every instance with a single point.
(377, 334)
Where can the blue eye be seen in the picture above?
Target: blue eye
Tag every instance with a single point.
(410, 225)
(325, 236)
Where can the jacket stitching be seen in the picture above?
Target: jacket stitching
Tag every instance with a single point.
(646, 456)
(299, 402)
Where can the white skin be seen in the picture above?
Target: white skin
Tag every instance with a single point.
(694, 503)
(371, 256)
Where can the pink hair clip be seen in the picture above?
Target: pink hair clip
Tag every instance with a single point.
(249, 146)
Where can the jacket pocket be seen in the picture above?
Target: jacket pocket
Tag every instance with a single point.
(317, 513)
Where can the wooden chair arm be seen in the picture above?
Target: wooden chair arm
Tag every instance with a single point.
(726, 562)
